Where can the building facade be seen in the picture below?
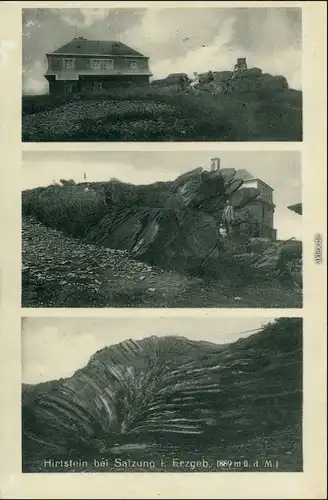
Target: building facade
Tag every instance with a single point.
(84, 65)
(262, 207)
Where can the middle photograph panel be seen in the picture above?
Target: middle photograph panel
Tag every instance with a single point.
(187, 229)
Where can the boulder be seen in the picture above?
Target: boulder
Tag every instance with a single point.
(273, 82)
(222, 76)
(251, 73)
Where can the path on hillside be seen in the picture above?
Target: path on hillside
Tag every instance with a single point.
(58, 271)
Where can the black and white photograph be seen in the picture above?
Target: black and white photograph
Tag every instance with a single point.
(161, 229)
(162, 74)
(184, 394)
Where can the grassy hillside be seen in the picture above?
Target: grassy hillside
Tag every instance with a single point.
(164, 114)
(159, 398)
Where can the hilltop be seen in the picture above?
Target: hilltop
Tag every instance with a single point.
(159, 397)
(162, 112)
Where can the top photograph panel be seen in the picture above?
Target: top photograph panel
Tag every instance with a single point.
(154, 75)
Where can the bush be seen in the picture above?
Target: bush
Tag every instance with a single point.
(68, 208)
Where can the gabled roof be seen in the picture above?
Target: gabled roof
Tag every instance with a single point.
(244, 174)
(96, 47)
(297, 208)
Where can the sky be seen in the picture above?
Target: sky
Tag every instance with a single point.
(280, 169)
(176, 39)
(56, 347)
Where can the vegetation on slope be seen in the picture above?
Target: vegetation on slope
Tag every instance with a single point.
(164, 114)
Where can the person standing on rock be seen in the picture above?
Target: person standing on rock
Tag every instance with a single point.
(210, 79)
(228, 217)
(194, 81)
(183, 82)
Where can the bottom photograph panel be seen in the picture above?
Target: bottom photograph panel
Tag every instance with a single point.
(161, 394)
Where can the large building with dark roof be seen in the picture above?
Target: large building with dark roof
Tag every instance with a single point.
(91, 65)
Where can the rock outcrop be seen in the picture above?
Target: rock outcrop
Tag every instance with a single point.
(249, 80)
(169, 394)
(175, 225)
(183, 233)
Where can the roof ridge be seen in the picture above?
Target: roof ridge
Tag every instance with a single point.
(94, 45)
(93, 40)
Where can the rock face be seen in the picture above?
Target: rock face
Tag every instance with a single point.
(182, 233)
(160, 394)
(174, 225)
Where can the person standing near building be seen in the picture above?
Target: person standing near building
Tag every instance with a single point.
(228, 217)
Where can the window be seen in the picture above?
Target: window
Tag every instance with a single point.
(96, 64)
(133, 64)
(69, 88)
(108, 64)
(265, 192)
(102, 64)
(68, 63)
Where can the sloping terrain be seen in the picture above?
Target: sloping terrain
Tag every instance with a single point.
(172, 227)
(164, 114)
(60, 271)
(159, 398)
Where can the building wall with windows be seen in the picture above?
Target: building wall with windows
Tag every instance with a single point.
(102, 64)
(84, 65)
(261, 207)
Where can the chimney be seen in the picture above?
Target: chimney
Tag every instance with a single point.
(215, 164)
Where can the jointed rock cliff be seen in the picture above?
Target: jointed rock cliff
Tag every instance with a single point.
(165, 395)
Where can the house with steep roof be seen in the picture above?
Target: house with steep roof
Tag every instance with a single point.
(92, 65)
(262, 207)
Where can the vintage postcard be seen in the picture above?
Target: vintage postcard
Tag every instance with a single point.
(213, 395)
(163, 250)
(166, 74)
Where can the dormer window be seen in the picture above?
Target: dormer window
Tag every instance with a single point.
(68, 63)
(133, 65)
(102, 64)
(96, 64)
(108, 64)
